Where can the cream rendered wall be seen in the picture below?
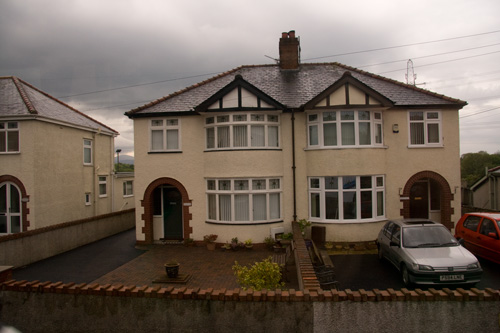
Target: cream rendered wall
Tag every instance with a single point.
(50, 166)
(122, 202)
(394, 160)
(61, 178)
(194, 165)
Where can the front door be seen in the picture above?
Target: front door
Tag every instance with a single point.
(172, 213)
(10, 208)
(419, 200)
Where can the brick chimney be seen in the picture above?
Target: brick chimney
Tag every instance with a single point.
(289, 50)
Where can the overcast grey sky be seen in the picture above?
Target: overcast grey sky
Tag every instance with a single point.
(83, 51)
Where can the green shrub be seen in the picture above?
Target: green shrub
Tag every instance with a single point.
(261, 275)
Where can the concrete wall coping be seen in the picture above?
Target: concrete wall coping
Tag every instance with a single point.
(33, 232)
(292, 295)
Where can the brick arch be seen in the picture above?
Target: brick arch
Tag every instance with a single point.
(147, 203)
(24, 195)
(446, 196)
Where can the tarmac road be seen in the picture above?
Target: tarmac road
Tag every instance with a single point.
(83, 264)
(365, 271)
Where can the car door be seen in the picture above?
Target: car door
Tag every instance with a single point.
(488, 243)
(469, 232)
(394, 253)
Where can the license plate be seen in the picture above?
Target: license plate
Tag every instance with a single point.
(455, 277)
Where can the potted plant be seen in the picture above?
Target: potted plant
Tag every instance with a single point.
(210, 241)
(286, 239)
(269, 241)
(172, 268)
(248, 244)
(234, 243)
(226, 246)
(329, 245)
(303, 224)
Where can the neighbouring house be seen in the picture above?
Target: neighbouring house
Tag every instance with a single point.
(56, 163)
(485, 192)
(248, 151)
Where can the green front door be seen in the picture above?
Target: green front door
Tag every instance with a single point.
(172, 214)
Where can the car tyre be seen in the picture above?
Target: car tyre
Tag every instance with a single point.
(405, 275)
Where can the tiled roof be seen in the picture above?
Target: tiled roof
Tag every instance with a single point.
(20, 99)
(294, 88)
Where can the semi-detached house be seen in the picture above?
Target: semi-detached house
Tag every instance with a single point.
(251, 149)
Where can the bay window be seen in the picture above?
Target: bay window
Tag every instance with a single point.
(242, 131)
(339, 129)
(346, 198)
(244, 200)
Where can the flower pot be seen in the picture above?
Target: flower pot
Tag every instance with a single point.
(172, 270)
(210, 246)
(249, 246)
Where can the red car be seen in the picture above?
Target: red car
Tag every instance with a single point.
(480, 234)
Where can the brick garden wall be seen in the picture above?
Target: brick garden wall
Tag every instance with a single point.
(56, 307)
(30, 246)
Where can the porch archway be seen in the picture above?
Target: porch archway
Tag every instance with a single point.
(446, 197)
(147, 203)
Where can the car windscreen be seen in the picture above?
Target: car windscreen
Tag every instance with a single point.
(426, 236)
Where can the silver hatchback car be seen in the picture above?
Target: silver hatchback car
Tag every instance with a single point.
(425, 252)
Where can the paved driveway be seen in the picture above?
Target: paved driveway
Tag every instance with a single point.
(367, 272)
(84, 264)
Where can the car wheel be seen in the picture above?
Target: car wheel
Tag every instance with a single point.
(405, 275)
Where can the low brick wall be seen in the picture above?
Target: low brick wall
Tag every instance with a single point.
(30, 246)
(58, 307)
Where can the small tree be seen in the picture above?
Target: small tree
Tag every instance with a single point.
(261, 275)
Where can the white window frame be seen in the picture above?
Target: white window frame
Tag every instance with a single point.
(167, 125)
(316, 122)
(103, 180)
(8, 128)
(88, 146)
(426, 122)
(214, 123)
(88, 199)
(271, 187)
(317, 187)
(126, 192)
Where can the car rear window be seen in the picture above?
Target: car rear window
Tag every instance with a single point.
(472, 222)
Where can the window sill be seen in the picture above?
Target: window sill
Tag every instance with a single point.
(243, 149)
(165, 152)
(345, 147)
(425, 146)
(242, 223)
(10, 153)
(381, 219)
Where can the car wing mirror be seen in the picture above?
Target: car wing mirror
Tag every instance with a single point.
(393, 243)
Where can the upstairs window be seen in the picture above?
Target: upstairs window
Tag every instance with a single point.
(165, 134)
(425, 128)
(339, 129)
(242, 131)
(87, 152)
(9, 137)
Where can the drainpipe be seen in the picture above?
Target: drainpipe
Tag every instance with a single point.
(94, 173)
(293, 168)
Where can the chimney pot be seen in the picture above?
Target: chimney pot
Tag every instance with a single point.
(289, 48)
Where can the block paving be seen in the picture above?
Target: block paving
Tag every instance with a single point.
(208, 269)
